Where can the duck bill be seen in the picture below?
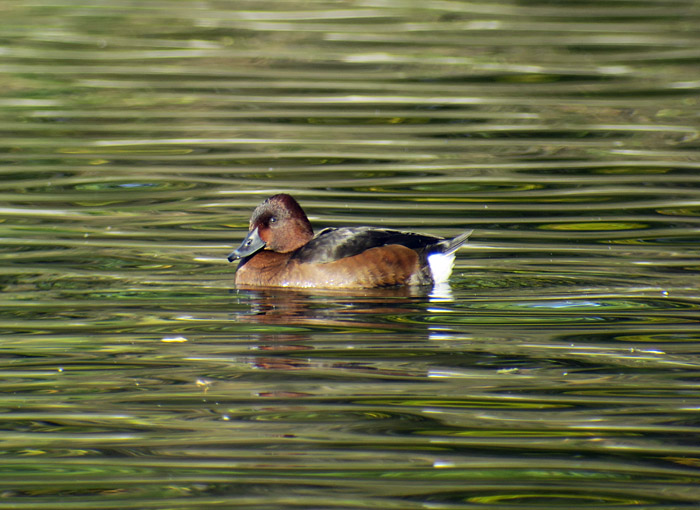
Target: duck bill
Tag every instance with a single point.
(251, 244)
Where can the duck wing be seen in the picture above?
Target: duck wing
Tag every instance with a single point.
(333, 244)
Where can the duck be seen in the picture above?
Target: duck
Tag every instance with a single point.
(281, 250)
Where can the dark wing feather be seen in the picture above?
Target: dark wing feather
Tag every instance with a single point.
(336, 243)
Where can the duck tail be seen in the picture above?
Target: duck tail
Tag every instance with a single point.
(452, 245)
(442, 259)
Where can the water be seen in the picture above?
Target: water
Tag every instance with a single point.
(559, 371)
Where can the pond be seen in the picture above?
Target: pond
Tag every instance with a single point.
(559, 370)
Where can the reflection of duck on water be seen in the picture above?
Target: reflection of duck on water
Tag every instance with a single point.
(283, 323)
(329, 308)
(281, 250)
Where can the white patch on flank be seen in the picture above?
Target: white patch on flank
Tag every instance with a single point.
(441, 266)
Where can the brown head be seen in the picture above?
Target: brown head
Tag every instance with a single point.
(279, 224)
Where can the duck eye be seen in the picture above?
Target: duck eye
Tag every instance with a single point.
(273, 219)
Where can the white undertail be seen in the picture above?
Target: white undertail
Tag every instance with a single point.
(442, 261)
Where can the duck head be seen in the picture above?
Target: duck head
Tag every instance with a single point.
(279, 224)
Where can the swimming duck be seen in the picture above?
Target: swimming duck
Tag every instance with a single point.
(281, 250)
